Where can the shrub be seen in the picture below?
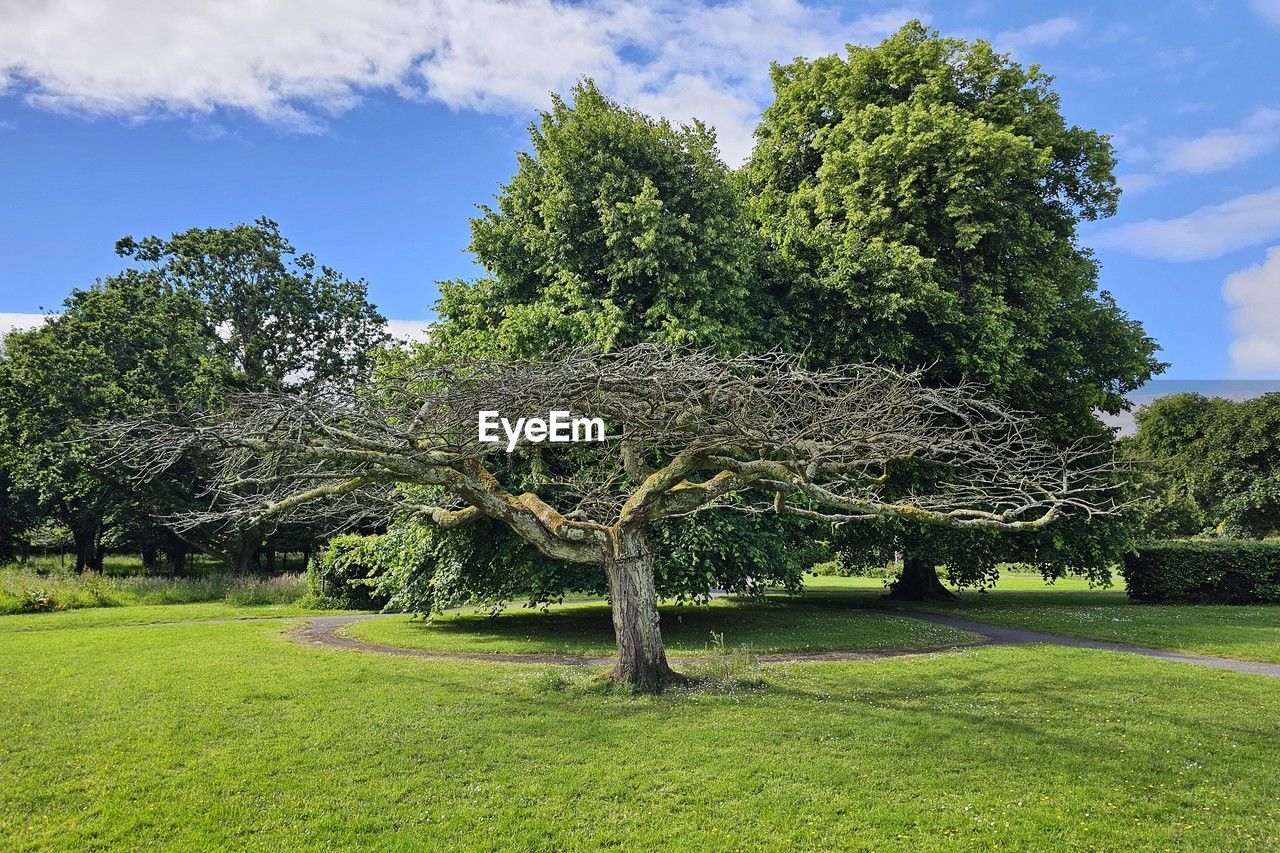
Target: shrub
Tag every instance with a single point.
(1227, 571)
(828, 569)
(345, 574)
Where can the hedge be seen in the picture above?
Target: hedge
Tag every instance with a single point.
(1224, 571)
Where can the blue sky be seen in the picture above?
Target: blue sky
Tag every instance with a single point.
(371, 130)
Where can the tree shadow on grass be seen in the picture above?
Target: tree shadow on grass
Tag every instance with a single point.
(766, 626)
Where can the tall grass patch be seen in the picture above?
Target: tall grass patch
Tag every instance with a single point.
(26, 590)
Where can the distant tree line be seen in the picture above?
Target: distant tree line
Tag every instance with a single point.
(203, 315)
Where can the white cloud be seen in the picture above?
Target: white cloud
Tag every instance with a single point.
(1039, 34)
(296, 61)
(1225, 147)
(1207, 232)
(14, 322)
(1137, 182)
(1254, 297)
(1268, 10)
(409, 330)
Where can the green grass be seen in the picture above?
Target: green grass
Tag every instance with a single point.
(1071, 608)
(587, 629)
(228, 735)
(1009, 582)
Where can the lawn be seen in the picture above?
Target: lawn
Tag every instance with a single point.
(777, 625)
(1070, 607)
(184, 736)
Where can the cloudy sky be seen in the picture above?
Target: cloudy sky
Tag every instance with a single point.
(370, 130)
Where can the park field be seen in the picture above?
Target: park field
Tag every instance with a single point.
(1071, 608)
(193, 726)
(852, 613)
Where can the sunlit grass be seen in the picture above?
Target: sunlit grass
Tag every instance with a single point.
(1070, 607)
(24, 590)
(231, 736)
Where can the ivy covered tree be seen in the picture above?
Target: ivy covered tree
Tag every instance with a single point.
(919, 201)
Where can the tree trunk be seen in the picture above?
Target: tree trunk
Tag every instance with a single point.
(150, 557)
(243, 553)
(89, 551)
(176, 554)
(919, 582)
(84, 548)
(642, 662)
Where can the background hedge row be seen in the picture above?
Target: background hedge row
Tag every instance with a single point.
(1226, 571)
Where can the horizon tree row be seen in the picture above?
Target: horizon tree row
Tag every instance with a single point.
(205, 314)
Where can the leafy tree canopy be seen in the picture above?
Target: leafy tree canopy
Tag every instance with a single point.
(131, 343)
(276, 315)
(212, 311)
(615, 229)
(1214, 463)
(919, 202)
(920, 199)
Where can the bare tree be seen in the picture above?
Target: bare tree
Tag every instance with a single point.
(687, 432)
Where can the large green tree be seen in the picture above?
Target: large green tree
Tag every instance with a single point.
(276, 319)
(1213, 463)
(281, 319)
(208, 313)
(920, 201)
(615, 229)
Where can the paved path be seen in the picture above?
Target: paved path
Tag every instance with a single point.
(1017, 636)
(323, 631)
